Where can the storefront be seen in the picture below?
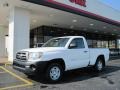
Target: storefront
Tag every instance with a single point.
(42, 34)
(30, 23)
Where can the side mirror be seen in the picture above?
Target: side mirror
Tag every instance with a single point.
(72, 45)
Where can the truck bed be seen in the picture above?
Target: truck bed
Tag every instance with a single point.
(94, 52)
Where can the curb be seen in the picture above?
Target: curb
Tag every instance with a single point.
(5, 64)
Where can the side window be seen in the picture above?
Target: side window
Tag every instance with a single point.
(79, 43)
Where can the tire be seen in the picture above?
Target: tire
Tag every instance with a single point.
(54, 72)
(30, 76)
(99, 65)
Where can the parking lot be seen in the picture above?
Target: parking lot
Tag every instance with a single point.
(84, 79)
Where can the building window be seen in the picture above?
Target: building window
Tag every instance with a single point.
(112, 44)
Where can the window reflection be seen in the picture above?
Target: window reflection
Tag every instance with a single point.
(101, 44)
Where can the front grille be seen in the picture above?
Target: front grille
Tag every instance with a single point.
(22, 55)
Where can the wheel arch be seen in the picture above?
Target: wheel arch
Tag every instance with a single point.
(102, 57)
(57, 60)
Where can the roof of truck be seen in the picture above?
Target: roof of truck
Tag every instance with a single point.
(71, 37)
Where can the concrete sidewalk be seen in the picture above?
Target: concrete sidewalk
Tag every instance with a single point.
(4, 60)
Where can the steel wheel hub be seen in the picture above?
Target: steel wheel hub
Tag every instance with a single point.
(100, 65)
(55, 73)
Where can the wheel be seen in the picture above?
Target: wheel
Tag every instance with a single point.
(54, 72)
(99, 66)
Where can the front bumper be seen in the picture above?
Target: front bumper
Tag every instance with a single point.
(30, 68)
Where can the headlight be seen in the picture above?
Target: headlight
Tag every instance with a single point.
(35, 55)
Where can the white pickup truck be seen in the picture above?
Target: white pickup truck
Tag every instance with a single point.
(59, 55)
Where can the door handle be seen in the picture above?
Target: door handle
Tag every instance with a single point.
(85, 51)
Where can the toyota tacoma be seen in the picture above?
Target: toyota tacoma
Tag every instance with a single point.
(59, 55)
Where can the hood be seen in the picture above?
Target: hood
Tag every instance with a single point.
(43, 49)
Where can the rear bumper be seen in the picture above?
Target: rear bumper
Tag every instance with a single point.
(30, 68)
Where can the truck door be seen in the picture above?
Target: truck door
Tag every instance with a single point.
(78, 54)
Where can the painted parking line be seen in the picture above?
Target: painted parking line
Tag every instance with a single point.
(27, 83)
(16, 86)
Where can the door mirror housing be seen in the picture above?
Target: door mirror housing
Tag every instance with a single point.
(72, 45)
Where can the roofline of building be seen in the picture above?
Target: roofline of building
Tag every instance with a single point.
(74, 10)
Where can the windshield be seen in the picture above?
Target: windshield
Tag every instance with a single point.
(57, 42)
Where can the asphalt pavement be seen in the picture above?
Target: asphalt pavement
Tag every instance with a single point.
(82, 79)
